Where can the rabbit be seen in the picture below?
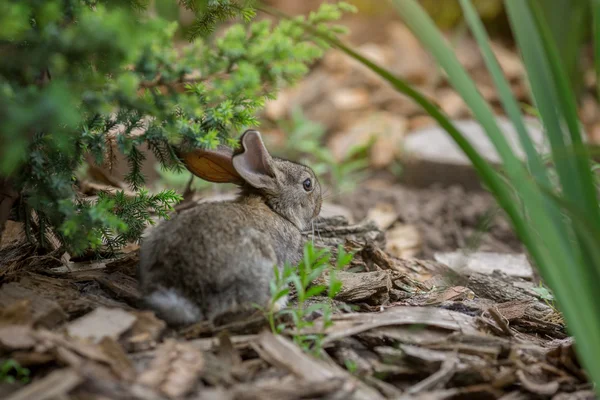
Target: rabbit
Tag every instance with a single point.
(217, 258)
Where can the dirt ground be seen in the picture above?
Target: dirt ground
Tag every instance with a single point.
(439, 301)
(417, 329)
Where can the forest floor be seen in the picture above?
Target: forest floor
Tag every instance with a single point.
(457, 317)
(443, 301)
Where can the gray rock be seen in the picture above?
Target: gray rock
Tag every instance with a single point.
(486, 263)
(431, 156)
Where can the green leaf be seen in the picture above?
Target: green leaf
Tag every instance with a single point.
(315, 290)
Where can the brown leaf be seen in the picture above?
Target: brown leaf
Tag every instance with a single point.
(174, 370)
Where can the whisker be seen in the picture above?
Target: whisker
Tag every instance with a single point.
(319, 233)
(312, 222)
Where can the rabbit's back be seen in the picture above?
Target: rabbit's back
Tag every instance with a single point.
(213, 258)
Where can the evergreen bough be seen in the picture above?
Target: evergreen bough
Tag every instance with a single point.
(79, 77)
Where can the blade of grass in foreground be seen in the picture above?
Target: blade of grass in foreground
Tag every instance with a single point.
(513, 111)
(550, 246)
(557, 108)
(426, 31)
(504, 194)
(596, 31)
(537, 232)
(587, 198)
(509, 102)
(557, 253)
(556, 104)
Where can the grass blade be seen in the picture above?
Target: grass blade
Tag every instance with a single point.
(596, 32)
(509, 102)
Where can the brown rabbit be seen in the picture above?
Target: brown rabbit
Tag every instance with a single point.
(217, 258)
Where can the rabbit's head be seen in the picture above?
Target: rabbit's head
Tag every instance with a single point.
(290, 189)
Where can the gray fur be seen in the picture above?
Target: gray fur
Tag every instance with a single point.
(218, 258)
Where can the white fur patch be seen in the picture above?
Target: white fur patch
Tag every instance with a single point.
(280, 304)
(173, 307)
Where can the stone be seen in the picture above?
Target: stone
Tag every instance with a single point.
(430, 156)
(486, 263)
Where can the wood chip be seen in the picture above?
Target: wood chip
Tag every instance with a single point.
(352, 324)
(44, 312)
(87, 350)
(110, 322)
(56, 385)
(145, 332)
(282, 353)
(120, 364)
(369, 287)
(454, 293)
(16, 337)
(539, 388)
(403, 241)
(17, 313)
(288, 390)
(438, 379)
(175, 369)
(383, 215)
(14, 233)
(120, 286)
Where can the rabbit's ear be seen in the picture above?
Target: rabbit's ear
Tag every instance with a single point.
(212, 165)
(254, 163)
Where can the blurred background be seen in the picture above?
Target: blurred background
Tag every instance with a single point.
(377, 152)
(342, 118)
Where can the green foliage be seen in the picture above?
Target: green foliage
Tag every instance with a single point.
(351, 366)
(80, 77)
(210, 12)
(315, 264)
(11, 371)
(304, 142)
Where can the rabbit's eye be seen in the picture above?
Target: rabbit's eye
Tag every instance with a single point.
(307, 184)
